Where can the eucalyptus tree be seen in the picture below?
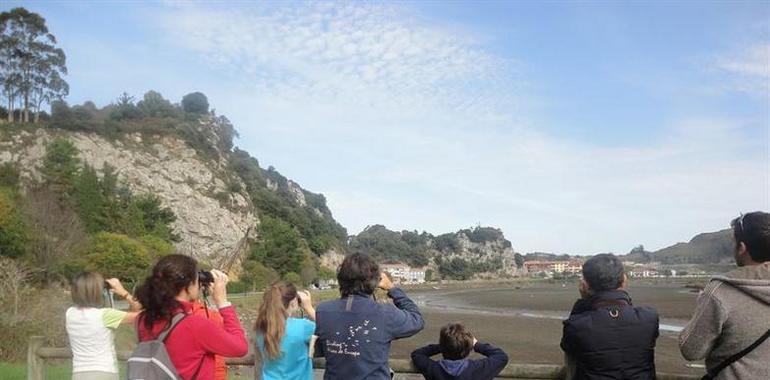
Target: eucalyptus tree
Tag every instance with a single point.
(32, 66)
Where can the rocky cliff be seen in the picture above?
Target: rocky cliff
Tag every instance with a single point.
(211, 219)
(476, 252)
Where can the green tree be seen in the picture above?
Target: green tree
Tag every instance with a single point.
(156, 247)
(293, 277)
(32, 66)
(90, 200)
(326, 274)
(117, 255)
(455, 268)
(60, 165)
(9, 175)
(280, 246)
(125, 109)
(155, 105)
(195, 102)
(518, 259)
(308, 270)
(13, 233)
(257, 275)
(156, 219)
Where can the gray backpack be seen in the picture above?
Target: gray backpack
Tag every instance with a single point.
(150, 361)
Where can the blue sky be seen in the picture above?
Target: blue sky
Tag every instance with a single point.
(576, 127)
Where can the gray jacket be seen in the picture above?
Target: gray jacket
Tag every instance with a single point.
(733, 311)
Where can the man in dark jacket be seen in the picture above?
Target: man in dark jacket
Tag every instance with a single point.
(355, 331)
(605, 334)
(455, 344)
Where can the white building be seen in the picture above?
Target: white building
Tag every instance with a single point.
(402, 273)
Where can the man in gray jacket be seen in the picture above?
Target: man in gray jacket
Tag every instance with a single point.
(733, 311)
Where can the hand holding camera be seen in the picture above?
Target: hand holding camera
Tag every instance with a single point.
(219, 290)
(115, 285)
(306, 303)
(385, 282)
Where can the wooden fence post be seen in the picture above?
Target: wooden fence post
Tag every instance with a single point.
(35, 364)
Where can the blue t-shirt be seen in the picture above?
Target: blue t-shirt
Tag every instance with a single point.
(294, 362)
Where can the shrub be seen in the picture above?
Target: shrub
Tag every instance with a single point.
(13, 233)
(154, 105)
(9, 175)
(293, 277)
(195, 102)
(257, 276)
(43, 311)
(60, 164)
(116, 255)
(237, 287)
(280, 246)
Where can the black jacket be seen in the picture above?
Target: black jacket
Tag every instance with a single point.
(464, 369)
(609, 338)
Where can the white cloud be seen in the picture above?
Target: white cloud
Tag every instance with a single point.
(369, 54)
(407, 124)
(747, 69)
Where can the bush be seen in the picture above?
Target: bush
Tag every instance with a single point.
(293, 278)
(195, 102)
(43, 312)
(60, 164)
(154, 105)
(116, 255)
(9, 175)
(257, 276)
(280, 247)
(13, 233)
(237, 287)
(456, 269)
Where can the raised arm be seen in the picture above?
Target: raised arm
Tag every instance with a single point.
(495, 360)
(120, 291)
(229, 340)
(405, 319)
(421, 356)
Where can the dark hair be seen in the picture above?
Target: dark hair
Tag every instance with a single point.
(456, 341)
(157, 294)
(358, 274)
(603, 272)
(87, 289)
(753, 230)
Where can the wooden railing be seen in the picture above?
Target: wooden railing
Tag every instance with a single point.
(37, 354)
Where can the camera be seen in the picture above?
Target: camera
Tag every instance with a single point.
(205, 278)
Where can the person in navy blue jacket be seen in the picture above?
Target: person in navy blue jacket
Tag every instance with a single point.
(606, 335)
(355, 331)
(455, 344)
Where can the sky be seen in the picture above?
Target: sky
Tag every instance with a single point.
(576, 127)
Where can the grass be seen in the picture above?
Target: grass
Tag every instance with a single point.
(63, 371)
(57, 371)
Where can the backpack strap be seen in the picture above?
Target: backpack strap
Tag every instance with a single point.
(178, 317)
(732, 359)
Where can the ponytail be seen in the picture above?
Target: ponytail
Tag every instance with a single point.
(272, 314)
(157, 294)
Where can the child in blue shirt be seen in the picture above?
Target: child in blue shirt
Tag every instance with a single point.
(283, 342)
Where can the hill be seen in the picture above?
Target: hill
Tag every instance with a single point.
(706, 248)
(218, 203)
(473, 252)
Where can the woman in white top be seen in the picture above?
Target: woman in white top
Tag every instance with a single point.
(91, 327)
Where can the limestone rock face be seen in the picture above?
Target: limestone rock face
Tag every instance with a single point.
(211, 220)
(332, 259)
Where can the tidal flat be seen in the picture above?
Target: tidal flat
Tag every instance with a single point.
(525, 319)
